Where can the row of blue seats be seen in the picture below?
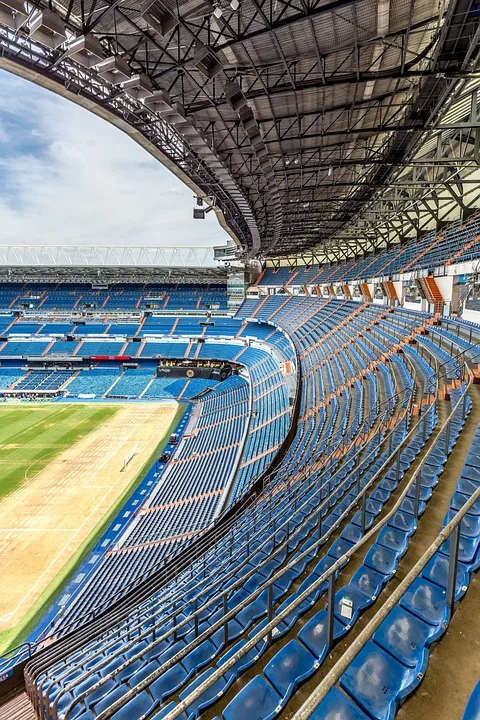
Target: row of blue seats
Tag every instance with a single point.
(173, 679)
(431, 251)
(184, 497)
(312, 361)
(118, 297)
(393, 663)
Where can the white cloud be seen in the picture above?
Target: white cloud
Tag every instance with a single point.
(69, 177)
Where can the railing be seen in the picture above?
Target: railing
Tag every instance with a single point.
(336, 489)
(295, 497)
(25, 650)
(345, 439)
(334, 445)
(268, 585)
(223, 595)
(334, 448)
(319, 694)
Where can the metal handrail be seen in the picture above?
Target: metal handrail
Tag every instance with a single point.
(238, 583)
(332, 677)
(328, 575)
(77, 620)
(403, 390)
(337, 446)
(234, 611)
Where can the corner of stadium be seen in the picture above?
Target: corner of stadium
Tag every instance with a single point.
(244, 482)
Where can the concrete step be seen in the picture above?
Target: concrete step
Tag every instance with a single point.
(18, 708)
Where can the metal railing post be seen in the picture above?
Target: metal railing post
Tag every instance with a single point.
(447, 437)
(397, 467)
(269, 612)
(416, 502)
(331, 610)
(363, 512)
(452, 567)
(225, 624)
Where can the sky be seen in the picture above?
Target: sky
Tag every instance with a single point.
(68, 177)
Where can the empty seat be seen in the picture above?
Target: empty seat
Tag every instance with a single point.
(377, 682)
(256, 701)
(289, 667)
(472, 711)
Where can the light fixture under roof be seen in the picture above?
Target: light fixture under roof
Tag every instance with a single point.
(47, 28)
(114, 70)
(86, 50)
(12, 14)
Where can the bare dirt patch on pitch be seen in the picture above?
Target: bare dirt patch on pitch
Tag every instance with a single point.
(45, 522)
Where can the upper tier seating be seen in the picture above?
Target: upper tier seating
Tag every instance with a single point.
(456, 243)
(117, 297)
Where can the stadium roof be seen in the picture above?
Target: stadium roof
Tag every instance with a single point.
(338, 126)
(109, 264)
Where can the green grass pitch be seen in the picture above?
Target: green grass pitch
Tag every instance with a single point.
(31, 435)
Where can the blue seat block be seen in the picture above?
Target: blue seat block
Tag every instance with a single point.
(403, 521)
(256, 701)
(323, 565)
(429, 475)
(289, 667)
(469, 525)
(473, 456)
(246, 661)
(470, 472)
(467, 487)
(425, 493)
(408, 506)
(368, 581)
(377, 682)
(285, 582)
(436, 571)
(254, 610)
(169, 682)
(458, 501)
(380, 495)
(394, 539)
(369, 519)
(382, 560)
(315, 594)
(467, 550)
(200, 656)
(427, 601)
(406, 637)
(314, 634)
(254, 582)
(339, 548)
(208, 697)
(136, 707)
(338, 706)
(280, 629)
(472, 710)
(352, 533)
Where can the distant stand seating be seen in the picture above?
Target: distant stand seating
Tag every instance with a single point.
(454, 244)
(118, 297)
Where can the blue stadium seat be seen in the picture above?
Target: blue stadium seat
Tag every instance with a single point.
(472, 710)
